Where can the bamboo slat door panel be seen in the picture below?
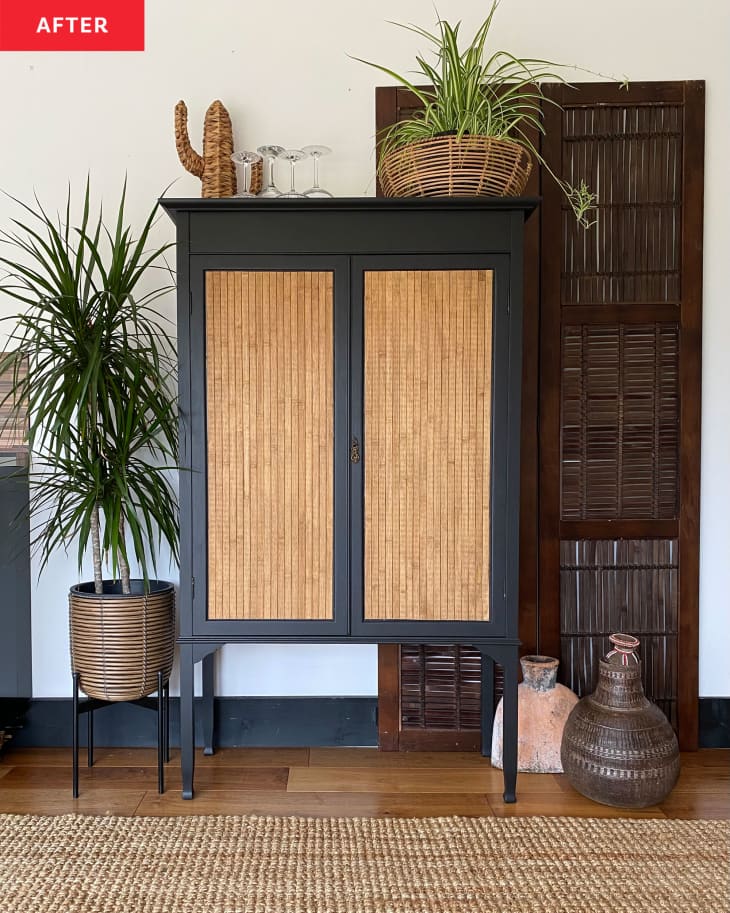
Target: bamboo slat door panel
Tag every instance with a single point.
(428, 337)
(269, 369)
(620, 387)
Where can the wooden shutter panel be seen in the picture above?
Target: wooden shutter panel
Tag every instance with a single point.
(619, 386)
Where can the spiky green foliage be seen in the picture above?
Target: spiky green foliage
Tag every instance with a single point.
(99, 387)
(473, 91)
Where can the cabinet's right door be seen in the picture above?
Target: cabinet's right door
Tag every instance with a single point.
(427, 406)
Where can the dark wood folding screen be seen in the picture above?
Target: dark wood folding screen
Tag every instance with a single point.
(611, 414)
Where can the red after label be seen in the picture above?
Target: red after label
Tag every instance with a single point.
(71, 25)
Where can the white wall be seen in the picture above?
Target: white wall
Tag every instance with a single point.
(283, 73)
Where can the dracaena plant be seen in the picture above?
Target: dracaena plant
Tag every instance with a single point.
(476, 91)
(92, 362)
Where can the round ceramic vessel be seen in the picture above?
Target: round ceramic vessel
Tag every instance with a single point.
(543, 707)
(618, 748)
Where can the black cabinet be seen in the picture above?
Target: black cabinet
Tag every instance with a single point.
(350, 396)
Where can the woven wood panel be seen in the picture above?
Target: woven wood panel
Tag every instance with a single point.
(440, 687)
(625, 585)
(13, 426)
(269, 363)
(620, 422)
(631, 156)
(427, 444)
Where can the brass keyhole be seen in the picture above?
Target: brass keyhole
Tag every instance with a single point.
(355, 451)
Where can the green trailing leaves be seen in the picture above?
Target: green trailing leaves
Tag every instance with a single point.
(498, 95)
(100, 383)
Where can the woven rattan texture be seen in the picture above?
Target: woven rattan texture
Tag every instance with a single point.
(119, 644)
(427, 432)
(214, 167)
(72, 864)
(270, 408)
(454, 166)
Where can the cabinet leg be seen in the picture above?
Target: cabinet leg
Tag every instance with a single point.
(75, 736)
(90, 738)
(187, 720)
(160, 733)
(509, 746)
(487, 704)
(208, 707)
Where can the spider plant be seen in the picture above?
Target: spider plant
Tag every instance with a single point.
(102, 420)
(498, 95)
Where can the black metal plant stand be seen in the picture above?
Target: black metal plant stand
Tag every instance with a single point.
(161, 704)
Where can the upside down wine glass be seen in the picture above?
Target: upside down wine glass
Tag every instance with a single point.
(316, 152)
(245, 160)
(292, 156)
(270, 152)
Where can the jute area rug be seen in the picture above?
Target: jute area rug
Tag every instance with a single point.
(359, 865)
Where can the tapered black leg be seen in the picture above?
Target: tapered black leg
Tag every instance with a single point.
(90, 737)
(509, 746)
(75, 735)
(187, 720)
(487, 704)
(208, 704)
(167, 721)
(160, 733)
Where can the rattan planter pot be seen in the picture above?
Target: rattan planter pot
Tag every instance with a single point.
(618, 748)
(449, 166)
(120, 642)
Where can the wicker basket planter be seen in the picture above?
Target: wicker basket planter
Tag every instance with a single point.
(120, 642)
(449, 166)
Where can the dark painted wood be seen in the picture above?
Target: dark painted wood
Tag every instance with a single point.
(15, 623)
(440, 740)
(247, 235)
(388, 697)
(386, 113)
(208, 715)
(529, 454)
(690, 413)
(549, 384)
(619, 529)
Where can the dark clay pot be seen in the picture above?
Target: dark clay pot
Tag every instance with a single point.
(618, 748)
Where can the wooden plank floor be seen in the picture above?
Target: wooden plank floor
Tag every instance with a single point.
(327, 781)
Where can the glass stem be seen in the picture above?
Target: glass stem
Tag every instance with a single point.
(270, 178)
(292, 189)
(316, 171)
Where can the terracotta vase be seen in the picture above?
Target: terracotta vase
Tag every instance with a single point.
(543, 708)
(618, 748)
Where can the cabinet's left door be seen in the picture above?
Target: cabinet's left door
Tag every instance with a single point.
(269, 382)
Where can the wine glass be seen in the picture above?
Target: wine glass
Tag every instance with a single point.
(269, 152)
(246, 160)
(316, 152)
(292, 156)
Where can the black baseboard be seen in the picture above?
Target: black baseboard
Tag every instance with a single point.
(715, 722)
(266, 721)
(241, 722)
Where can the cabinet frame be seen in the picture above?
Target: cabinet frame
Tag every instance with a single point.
(288, 234)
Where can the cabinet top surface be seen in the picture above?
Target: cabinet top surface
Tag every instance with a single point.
(338, 204)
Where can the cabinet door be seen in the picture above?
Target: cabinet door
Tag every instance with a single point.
(272, 416)
(428, 395)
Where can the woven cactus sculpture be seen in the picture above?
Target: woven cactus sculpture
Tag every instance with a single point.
(214, 167)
